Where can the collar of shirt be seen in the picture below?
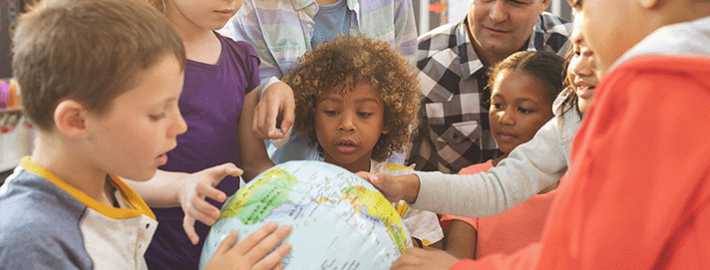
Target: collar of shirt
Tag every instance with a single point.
(470, 63)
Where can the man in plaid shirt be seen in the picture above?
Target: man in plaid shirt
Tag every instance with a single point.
(453, 61)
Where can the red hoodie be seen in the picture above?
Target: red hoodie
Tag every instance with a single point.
(637, 194)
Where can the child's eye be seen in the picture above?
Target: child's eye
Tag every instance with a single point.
(330, 113)
(523, 110)
(496, 105)
(156, 117)
(364, 114)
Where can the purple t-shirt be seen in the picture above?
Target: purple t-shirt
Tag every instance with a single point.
(211, 103)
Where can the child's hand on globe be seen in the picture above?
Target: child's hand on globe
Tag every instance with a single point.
(427, 258)
(195, 188)
(251, 253)
(394, 188)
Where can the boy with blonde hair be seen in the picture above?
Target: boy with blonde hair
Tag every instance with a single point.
(100, 80)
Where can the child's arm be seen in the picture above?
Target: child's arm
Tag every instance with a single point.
(461, 240)
(251, 253)
(405, 32)
(247, 28)
(173, 189)
(252, 152)
(277, 97)
(529, 168)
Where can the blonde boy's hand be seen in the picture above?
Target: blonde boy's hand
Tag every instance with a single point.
(195, 188)
(251, 253)
(277, 99)
(394, 188)
(426, 258)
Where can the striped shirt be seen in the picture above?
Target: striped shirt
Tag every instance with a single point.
(454, 131)
(281, 31)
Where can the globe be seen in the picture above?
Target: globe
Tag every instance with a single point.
(338, 220)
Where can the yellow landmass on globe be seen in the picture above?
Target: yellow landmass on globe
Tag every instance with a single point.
(377, 206)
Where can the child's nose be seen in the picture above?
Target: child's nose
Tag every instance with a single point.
(179, 126)
(346, 123)
(506, 118)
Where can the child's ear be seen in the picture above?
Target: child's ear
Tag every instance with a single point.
(70, 119)
(385, 130)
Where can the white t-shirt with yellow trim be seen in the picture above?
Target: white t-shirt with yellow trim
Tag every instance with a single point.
(48, 224)
(422, 224)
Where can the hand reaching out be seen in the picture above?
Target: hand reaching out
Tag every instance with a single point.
(198, 186)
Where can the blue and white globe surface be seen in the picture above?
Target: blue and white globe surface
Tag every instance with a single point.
(338, 220)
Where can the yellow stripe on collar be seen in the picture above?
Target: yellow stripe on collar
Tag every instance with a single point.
(138, 206)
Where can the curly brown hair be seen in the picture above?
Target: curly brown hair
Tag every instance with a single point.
(376, 62)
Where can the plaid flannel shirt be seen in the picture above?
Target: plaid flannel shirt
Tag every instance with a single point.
(454, 131)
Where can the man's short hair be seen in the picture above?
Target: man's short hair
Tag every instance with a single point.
(89, 51)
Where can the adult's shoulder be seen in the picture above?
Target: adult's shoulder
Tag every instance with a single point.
(440, 38)
(551, 34)
(551, 23)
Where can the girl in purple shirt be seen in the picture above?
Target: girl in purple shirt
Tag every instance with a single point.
(217, 103)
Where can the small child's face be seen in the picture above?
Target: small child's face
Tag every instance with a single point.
(581, 72)
(348, 127)
(520, 105)
(131, 139)
(206, 14)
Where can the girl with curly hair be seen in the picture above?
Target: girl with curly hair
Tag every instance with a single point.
(281, 31)
(356, 101)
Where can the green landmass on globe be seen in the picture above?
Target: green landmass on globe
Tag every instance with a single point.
(255, 202)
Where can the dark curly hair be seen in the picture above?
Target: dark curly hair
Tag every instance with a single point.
(319, 71)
